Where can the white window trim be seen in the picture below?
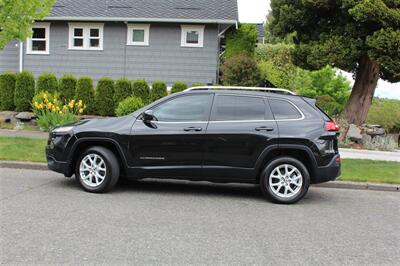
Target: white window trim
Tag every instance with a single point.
(131, 27)
(46, 26)
(86, 36)
(187, 28)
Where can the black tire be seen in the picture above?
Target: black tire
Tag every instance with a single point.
(111, 173)
(266, 175)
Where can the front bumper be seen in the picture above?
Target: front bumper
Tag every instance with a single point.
(329, 172)
(56, 166)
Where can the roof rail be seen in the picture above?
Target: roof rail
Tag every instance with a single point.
(274, 90)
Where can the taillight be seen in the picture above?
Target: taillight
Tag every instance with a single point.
(331, 126)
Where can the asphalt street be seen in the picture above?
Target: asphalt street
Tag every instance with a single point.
(47, 219)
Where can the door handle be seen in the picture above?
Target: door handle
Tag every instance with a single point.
(193, 129)
(264, 129)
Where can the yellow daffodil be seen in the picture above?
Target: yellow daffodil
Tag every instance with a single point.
(81, 111)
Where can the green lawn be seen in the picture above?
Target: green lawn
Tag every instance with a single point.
(370, 171)
(24, 149)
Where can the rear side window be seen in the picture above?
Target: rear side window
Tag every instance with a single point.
(284, 109)
(228, 108)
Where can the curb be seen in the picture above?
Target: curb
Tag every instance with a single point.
(360, 186)
(332, 184)
(23, 165)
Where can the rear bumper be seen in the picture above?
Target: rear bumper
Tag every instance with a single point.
(329, 172)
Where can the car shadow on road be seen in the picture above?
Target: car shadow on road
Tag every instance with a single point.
(199, 189)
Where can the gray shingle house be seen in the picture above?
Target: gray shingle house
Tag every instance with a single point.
(170, 40)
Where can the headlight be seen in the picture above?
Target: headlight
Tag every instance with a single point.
(62, 129)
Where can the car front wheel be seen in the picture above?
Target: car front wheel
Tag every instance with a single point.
(285, 180)
(97, 170)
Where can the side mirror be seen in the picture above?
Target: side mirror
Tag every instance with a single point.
(148, 116)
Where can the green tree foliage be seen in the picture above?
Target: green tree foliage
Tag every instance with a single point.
(240, 70)
(142, 90)
(123, 89)
(275, 63)
(324, 82)
(357, 36)
(129, 105)
(242, 40)
(7, 89)
(158, 90)
(197, 84)
(178, 86)
(104, 97)
(24, 91)
(47, 82)
(67, 87)
(85, 92)
(16, 17)
(386, 113)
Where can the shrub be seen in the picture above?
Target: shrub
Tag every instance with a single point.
(123, 89)
(24, 91)
(329, 104)
(142, 90)
(386, 113)
(178, 86)
(104, 97)
(67, 87)
(7, 89)
(129, 105)
(85, 92)
(158, 90)
(240, 70)
(51, 112)
(242, 40)
(47, 82)
(196, 84)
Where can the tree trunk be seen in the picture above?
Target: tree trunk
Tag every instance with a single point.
(360, 100)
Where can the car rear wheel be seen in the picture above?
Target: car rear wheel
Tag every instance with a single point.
(285, 180)
(97, 170)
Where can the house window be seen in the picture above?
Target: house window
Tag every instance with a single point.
(85, 36)
(39, 43)
(192, 35)
(138, 34)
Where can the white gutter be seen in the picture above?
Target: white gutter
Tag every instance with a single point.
(130, 19)
(21, 54)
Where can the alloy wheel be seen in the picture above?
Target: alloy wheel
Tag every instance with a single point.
(92, 170)
(285, 181)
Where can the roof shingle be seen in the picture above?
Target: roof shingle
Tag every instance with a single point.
(158, 10)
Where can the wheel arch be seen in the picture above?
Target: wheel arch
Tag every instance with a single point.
(82, 144)
(299, 152)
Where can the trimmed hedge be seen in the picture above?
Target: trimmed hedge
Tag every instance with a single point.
(104, 97)
(129, 105)
(47, 82)
(122, 90)
(158, 90)
(7, 89)
(85, 92)
(178, 87)
(142, 90)
(67, 87)
(24, 91)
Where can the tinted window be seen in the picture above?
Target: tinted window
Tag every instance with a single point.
(238, 108)
(185, 108)
(284, 110)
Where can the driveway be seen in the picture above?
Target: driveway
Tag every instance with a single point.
(46, 219)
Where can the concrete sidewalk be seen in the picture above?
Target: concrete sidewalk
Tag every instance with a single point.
(370, 155)
(23, 134)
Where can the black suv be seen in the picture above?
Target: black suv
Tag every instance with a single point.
(264, 136)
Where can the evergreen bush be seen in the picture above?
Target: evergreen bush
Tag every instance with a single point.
(47, 82)
(24, 91)
(123, 89)
(178, 86)
(85, 92)
(158, 90)
(142, 90)
(7, 89)
(104, 97)
(67, 87)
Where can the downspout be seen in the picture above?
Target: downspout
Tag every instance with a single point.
(21, 54)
